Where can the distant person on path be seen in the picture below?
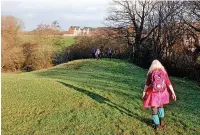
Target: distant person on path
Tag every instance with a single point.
(156, 93)
(97, 53)
(93, 53)
(110, 53)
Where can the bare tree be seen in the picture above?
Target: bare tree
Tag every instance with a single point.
(191, 14)
(169, 29)
(47, 29)
(138, 14)
(191, 17)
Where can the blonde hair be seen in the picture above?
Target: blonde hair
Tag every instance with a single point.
(156, 65)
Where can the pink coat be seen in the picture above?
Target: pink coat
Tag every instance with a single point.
(156, 99)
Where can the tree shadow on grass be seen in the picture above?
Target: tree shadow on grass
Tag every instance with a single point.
(107, 101)
(92, 95)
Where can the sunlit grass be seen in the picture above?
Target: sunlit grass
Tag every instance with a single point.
(64, 41)
(91, 97)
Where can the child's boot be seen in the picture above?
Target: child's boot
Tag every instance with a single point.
(156, 121)
(161, 116)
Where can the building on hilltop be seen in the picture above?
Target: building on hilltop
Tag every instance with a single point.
(77, 31)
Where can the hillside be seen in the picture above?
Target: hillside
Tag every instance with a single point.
(91, 97)
(64, 41)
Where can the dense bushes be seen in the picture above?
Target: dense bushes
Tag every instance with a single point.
(37, 56)
(85, 45)
(178, 63)
(182, 65)
(12, 58)
(36, 53)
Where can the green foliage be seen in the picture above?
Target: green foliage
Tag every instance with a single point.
(91, 97)
(65, 42)
(62, 52)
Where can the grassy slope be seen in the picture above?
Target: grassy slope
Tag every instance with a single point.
(91, 97)
(64, 40)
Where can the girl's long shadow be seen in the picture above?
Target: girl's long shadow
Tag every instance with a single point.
(107, 101)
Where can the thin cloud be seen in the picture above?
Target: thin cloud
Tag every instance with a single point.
(66, 12)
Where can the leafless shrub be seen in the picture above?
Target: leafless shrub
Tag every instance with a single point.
(12, 57)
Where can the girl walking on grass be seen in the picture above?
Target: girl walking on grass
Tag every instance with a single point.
(156, 93)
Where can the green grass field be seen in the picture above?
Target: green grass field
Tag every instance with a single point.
(93, 97)
(65, 41)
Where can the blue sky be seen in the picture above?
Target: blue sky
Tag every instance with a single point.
(89, 13)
